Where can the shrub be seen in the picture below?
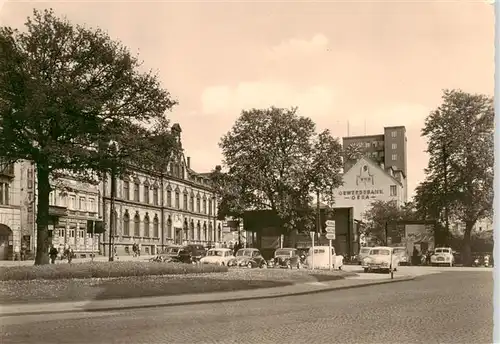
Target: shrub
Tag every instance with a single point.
(102, 270)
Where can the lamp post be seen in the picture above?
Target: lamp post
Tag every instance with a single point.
(112, 221)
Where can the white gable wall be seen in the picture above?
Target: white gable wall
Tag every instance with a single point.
(364, 183)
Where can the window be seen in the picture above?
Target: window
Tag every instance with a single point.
(126, 190)
(394, 133)
(210, 231)
(91, 204)
(204, 206)
(169, 227)
(156, 227)
(192, 231)
(146, 225)
(72, 202)
(394, 190)
(177, 200)
(169, 198)
(367, 144)
(394, 146)
(51, 198)
(198, 230)
(374, 144)
(81, 234)
(146, 193)
(205, 236)
(155, 195)
(209, 207)
(198, 201)
(126, 224)
(81, 204)
(114, 230)
(394, 157)
(185, 200)
(136, 191)
(137, 225)
(72, 233)
(191, 203)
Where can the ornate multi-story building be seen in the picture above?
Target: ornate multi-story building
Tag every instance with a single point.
(10, 210)
(155, 209)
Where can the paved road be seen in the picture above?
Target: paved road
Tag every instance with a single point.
(449, 307)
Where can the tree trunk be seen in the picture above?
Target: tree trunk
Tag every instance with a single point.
(42, 215)
(466, 248)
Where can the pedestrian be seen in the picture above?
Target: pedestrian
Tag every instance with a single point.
(52, 254)
(68, 253)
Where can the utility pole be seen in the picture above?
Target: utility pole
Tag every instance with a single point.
(112, 224)
(318, 214)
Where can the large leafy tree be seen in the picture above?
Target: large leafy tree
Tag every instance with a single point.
(459, 176)
(384, 215)
(66, 93)
(275, 161)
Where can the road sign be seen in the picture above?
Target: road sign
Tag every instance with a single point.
(330, 236)
(330, 223)
(330, 229)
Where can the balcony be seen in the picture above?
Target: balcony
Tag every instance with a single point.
(6, 170)
(57, 211)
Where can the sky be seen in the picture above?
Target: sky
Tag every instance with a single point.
(367, 63)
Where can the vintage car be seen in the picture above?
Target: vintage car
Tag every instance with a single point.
(169, 254)
(248, 257)
(442, 256)
(322, 259)
(404, 258)
(191, 254)
(286, 258)
(363, 252)
(219, 256)
(379, 259)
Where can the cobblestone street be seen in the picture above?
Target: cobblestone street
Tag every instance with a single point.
(447, 307)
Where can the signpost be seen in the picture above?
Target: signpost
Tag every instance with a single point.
(330, 235)
(312, 254)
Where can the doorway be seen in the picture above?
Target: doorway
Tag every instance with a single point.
(5, 237)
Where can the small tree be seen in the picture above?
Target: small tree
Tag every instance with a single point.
(275, 161)
(464, 125)
(67, 92)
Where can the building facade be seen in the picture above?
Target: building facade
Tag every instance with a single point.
(388, 149)
(366, 182)
(10, 210)
(155, 210)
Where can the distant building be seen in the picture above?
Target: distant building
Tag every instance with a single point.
(389, 150)
(10, 209)
(366, 181)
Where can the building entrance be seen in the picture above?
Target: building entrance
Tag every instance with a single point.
(5, 239)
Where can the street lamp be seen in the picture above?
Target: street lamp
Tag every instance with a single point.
(112, 224)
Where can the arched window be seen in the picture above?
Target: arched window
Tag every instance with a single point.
(209, 207)
(126, 223)
(137, 225)
(169, 196)
(146, 192)
(115, 223)
(146, 225)
(210, 232)
(198, 229)
(177, 199)
(204, 205)
(155, 195)
(205, 235)
(136, 190)
(191, 227)
(191, 201)
(198, 201)
(185, 200)
(156, 227)
(169, 227)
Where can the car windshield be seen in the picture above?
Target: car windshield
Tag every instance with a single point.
(244, 253)
(217, 253)
(172, 250)
(283, 252)
(318, 250)
(379, 252)
(364, 250)
(442, 250)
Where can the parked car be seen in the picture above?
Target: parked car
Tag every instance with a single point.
(322, 258)
(442, 256)
(219, 256)
(192, 253)
(379, 259)
(363, 252)
(404, 258)
(248, 257)
(171, 253)
(286, 258)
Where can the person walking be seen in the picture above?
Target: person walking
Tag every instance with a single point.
(53, 254)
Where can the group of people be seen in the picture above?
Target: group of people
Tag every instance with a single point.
(136, 249)
(63, 252)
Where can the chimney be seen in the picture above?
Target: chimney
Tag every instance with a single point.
(188, 161)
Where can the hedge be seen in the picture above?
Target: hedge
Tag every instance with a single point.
(103, 270)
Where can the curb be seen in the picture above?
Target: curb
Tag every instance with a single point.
(200, 302)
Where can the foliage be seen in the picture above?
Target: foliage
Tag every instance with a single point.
(275, 161)
(353, 152)
(382, 213)
(102, 270)
(67, 92)
(460, 131)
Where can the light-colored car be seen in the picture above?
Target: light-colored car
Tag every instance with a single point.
(219, 256)
(379, 258)
(442, 256)
(322, 259)
(404, 258)
(363, 252)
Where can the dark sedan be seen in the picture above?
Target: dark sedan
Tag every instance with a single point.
(286, 258)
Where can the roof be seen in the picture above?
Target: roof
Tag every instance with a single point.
(375, 165)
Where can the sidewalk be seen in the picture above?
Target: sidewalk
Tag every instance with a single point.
(5, 263)
(166, 301)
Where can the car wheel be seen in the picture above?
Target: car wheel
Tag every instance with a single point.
(249, 265)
